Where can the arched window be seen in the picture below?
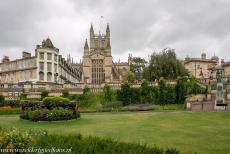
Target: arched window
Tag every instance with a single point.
(41, 76)
(49, 76)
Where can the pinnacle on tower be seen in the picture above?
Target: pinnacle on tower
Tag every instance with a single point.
(108, 44)
(91, 31)
(86, 45)
(108, 30)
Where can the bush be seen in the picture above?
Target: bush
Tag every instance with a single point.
(51, 109)
(15, 139)
(57, 101)
(20, 139)
(51, 115)
(97, 145)
(65, 94)
(44, 94)
(2, 99)
(12, 103)
(6, 110)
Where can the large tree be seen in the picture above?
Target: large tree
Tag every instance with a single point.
(137, 66)
(164, 64)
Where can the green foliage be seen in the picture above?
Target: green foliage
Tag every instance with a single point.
(128, 77)
(65, 94)
(107, 94)
(10, 111)
(164, 64)
(12, 103)
(166, 93)
(128, 95)
(97, 145)
(51, 115)
(137, 66)
(23, 96)
(15, 139)
(56, 101)
(44, 94)
(172, 107)
(2, 99)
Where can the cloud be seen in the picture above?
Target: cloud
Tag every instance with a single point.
(137, 27)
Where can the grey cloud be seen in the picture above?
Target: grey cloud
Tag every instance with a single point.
(138, 26)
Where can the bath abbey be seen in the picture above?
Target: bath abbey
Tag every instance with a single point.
(48, 68)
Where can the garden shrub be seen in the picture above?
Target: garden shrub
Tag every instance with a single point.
(12, 103)
(20, 139)
(2, 99)
(57, 101)
(15, 139)
(44, 94)
(50, 109)
(65, 93)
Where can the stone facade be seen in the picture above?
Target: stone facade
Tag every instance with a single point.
(201, 68)
(97, 65)
(46, 66)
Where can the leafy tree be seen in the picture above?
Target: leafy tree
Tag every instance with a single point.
(107, 93)
(128, 77)
(181, 90)
(164, 64)
(137, 66)
(124, 94)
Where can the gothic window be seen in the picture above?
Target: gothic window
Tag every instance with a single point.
(41, 66)
(98, 74)
(41, 76)
(49, 76)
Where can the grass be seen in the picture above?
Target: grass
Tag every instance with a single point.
(187, 131)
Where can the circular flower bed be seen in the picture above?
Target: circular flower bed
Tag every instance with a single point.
(50, 109)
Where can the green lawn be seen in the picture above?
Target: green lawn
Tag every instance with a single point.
(186, 131)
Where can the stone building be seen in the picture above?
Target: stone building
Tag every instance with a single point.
(97, 65)
(201, 68)
(46, 67)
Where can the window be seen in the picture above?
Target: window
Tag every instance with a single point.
(49, 67)
(6, 67)
(12, 66)
(41, 56)
(11, 76)
(41, 66)
(55, 68)
(55, 57)
(31, 74)
(6, 76)
(20, 75)
(49, 56)
(41, 76)
(49, 76)
(0, 68)
(25, 76)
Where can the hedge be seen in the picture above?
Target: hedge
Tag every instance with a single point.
(20, 139)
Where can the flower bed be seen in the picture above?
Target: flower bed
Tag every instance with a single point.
(50, 109)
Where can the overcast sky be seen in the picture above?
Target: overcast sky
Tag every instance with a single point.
(137, 26)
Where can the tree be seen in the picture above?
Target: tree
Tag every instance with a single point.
(164, 64)
(128, 77)
(181, 90)
(137, 66)
(107, 93)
